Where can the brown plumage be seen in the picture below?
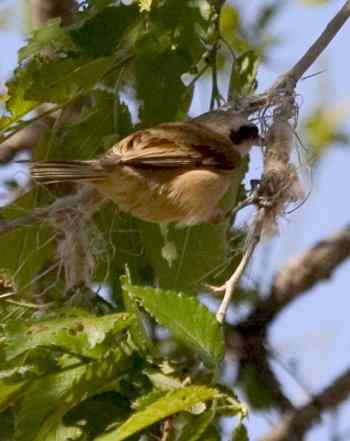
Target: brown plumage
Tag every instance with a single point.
(174, 172)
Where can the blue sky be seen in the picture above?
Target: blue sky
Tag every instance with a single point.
(314, 331)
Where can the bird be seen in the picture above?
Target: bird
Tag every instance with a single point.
(173, 173)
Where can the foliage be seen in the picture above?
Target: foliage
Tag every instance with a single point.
(69, 372)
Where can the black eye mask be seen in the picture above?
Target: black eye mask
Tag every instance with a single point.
(244, 133)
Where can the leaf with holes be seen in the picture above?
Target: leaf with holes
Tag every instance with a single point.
(89, 337)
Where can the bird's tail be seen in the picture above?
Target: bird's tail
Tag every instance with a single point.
(50, 172)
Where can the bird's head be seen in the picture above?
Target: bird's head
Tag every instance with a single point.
(242, 133)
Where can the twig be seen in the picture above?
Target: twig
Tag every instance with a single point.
(166, 429)
(288, 80)
(231, 283)
(312, 54)
(276, 164)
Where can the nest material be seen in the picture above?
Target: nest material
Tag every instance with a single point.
(280, 184)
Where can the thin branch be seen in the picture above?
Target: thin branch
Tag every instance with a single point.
(277, 167)
(288, 81)
(231, 283)
(295, 424)
(313, 53)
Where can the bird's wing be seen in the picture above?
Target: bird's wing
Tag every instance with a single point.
(174, 145)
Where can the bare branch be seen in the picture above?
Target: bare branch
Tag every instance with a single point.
(287, 82)
(313, 53)
(294, 425)
(230, 285)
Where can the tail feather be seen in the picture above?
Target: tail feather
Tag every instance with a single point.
(49, 172)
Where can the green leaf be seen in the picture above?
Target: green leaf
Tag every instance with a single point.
(61, 432)
(137, 329)
(186, 318)
(62, 79)
(198, 425)
(99, 34)
(174, 402)
(17, 103)
(211, 434)
(29, 251)
(231, 28)
(48, 399)
(164, 382)
(243, 75)
(52, 35)
(145, 5)
(240, 433)
(7, 426)
(160, 97)
(55, 81)
(170, 47)
(83, 336)
(9, 393)
(98, 413)
(95, 130)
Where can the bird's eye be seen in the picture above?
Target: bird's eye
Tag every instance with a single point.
(244, 133)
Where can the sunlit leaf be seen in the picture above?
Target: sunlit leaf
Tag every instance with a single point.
(170, 404)
(9, 393)
(145, 5)
(189, 320)
(85, 336)
(51, 35)
(170, 48)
